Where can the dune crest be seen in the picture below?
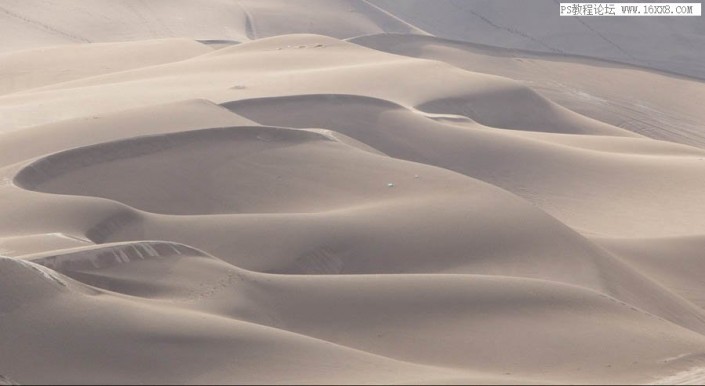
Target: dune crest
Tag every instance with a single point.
(322, 192)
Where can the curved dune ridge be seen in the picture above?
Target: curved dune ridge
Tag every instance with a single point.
(287, 305)
(297, 208)
(664, 109)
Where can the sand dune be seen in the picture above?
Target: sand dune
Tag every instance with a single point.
(675, 261)
(336, 18)
(238, 72)
(188, 343)
(667, 106)
(264, 195)
(37, 67)
(536, 26)
(207, 287)
(619, 182)
(28, 24)
(154, 119)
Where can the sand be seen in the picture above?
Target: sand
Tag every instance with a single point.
(323, 192)
(662, 43)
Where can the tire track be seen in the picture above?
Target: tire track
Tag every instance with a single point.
(603, 37)
(43, 26)
(512, 31)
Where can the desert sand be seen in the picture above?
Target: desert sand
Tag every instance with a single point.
(318, 192)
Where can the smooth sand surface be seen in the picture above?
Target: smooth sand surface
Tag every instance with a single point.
(656, 104)
(674, 44)
(326, 207)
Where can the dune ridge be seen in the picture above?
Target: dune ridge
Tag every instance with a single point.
(654, 114)
(267, 194)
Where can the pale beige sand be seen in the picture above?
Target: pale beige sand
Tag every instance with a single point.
(37, 67)
(674, 44)
(658, 105)
(304, 209)
(29, 24)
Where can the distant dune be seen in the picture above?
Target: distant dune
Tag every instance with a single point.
(317, 192)
(673, 44)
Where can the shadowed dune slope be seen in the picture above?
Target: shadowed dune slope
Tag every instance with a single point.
(191, 347)
(153, 119)
(267, 170)
(675, 261)
(302, 209)
(652, 103)
(224, 311)
(305, 64)
(604, 174)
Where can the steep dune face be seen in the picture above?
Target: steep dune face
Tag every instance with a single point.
(548, 170)
(211, 308)
(116, 336)
(305, 64)
(445, 200)
(148, 120)
(657, 105)
(303, 209)
(42, 284)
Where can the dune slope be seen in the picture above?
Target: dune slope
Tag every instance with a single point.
(656, 104)
(297, 208)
